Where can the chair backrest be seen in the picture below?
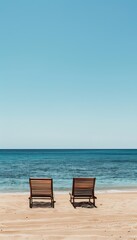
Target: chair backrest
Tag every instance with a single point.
(83, 186)
(41, 187)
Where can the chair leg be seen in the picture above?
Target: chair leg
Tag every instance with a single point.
(52, 202)
(30, 202)
(94, 201)
(74, 202)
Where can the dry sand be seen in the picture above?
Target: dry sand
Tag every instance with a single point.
(114, 218)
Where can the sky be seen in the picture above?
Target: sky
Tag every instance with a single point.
(68, 74)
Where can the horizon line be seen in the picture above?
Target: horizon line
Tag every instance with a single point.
(68, 148)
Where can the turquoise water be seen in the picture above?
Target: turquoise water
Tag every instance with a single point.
(113, 169)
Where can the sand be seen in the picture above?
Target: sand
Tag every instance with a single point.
(114, 218)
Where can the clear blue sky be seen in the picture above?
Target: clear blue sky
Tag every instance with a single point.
(68, 74)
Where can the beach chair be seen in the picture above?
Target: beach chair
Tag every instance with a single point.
(41, 188)
(83, 188)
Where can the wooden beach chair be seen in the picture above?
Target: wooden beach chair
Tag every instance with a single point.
(41, 188)
(83, 188)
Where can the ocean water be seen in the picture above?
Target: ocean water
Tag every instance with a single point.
(115, 170)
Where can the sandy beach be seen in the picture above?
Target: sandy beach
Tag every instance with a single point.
(114, 218)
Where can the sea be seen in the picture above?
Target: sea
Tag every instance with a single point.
(114, 169)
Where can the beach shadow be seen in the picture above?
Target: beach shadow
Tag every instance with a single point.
(83, 205)
(42, 204)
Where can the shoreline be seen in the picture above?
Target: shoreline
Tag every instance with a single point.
(102, 191)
